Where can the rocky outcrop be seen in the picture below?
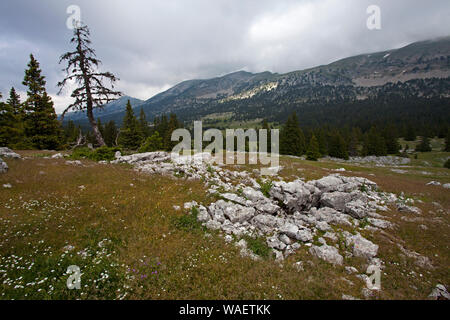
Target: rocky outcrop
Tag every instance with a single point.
(361, 247)
(377, 161)
(439, 293)
(8, 153)
(290, 215)
(327, 253)
(3, 166)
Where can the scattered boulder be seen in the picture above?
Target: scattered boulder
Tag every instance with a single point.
(57, 156)
(402, 207)
(361, 246)
(336, 200)
(3, 166)
(327, 253)
(439, 293)
(356, 209)
(8, 153)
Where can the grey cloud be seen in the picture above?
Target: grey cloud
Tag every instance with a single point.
(152, 45)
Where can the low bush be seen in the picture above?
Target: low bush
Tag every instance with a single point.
(99, 154)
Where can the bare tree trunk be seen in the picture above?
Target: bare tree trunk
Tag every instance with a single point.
(97, 133)
(79, 141)
(89, 104)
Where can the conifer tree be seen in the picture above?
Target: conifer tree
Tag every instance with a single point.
(8, 125)
(15, 104)
(410, 133)
(130, 135)
(354, 142)
(447, 164)
(172, 125)
(71, 132)
(152, 143)
(41, 125)
(313, 153)
(266, 126)
(337, 147)
(110, 133)
(390, 138)
(447, 142)
(143, 124)
(82, 66)
(322, 139)
(374, 144)
(424, 145)
(292, 139)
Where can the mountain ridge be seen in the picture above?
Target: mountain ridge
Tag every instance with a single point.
(353, 78)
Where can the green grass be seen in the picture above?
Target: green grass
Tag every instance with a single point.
(188, 222)
(259, 247)
(155, 252)
(266, 186)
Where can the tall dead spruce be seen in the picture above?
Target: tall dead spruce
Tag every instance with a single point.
(82, 69)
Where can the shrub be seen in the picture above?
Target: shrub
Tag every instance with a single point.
(81, 153)
(187, 222)
(259, 247)
(447, 164)
(265, 187)
(104, 154)
(152, 143)
(100, 154)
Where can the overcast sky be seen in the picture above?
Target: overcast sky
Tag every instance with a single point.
(152, 45)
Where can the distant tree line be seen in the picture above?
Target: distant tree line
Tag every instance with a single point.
(344, 142)
(136, 133)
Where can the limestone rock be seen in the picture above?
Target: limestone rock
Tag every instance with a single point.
(3, 166)
(335, 200)
(361, 246)
(8, 153)
(327, 253)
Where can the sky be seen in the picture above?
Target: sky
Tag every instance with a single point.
(153, 45)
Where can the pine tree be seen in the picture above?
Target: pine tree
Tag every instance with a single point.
(110, 133)
(172, 125)
(313, 153)
(41, 125)
(410, 133)
(15, 104)
(143, 124)
(374, 144)
(152, 143)
(322, 139)
(447, 164)
(337, 146)
(354, 142)
(71, 132)
(8, 125)
(82, 66)
(424, 145)
(447, 142)
(292, 139)
(390, 138)
(266, 126)
(130, 135)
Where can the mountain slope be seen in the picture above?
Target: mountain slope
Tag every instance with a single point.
(420, 69)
